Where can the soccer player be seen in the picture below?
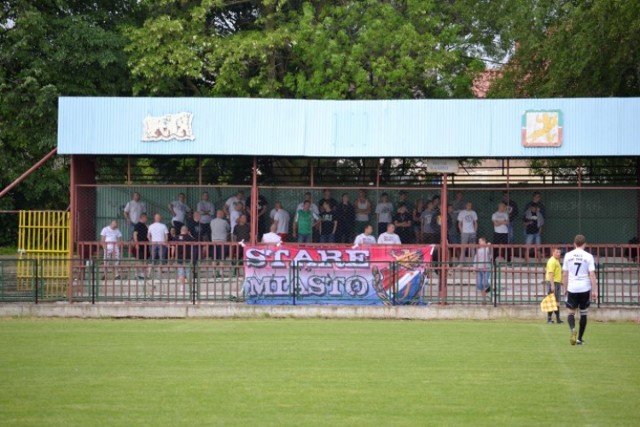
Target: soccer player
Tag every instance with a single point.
(578, 275)
(554, 282)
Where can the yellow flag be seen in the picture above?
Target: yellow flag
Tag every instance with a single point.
(549, 303)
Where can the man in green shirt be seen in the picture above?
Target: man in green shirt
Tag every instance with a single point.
(304, 222)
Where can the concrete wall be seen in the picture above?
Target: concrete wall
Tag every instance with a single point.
(234, 310)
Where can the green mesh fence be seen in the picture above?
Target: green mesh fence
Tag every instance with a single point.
(606, 216)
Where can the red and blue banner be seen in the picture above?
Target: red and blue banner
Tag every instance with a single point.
(364, 275)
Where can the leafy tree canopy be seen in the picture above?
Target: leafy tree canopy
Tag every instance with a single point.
(366, 49)
(570, 49)
(49, 49)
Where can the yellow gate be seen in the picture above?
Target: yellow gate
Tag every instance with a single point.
(44, 236)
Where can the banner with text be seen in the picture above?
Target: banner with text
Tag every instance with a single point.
(369, 275)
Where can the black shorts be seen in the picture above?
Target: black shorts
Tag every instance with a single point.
(580, 300)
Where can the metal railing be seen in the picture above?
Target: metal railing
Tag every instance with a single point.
(212, 272)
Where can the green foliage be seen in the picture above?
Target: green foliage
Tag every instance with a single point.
(589, 171)
(47, 50)
(321, 50)
(572, 49)
(305, 50)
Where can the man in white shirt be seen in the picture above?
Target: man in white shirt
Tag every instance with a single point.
(281, 219)
(366, 238)
(132, 211)
(231, 201)
(384, 212)
(158, 235)
(110, 237)
(272, 236)
(500, 219)
(389, 237)
(468, 225)
(578, 275)
(179, 209)
(236, 211)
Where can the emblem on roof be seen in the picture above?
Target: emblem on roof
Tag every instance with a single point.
(542, 128)
(168, 127)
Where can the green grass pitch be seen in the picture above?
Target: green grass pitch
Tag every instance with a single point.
(66, 372)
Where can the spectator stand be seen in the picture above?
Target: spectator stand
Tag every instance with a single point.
(280, 149)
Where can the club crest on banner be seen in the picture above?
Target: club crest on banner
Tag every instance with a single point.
(168, 127)
(542, 128)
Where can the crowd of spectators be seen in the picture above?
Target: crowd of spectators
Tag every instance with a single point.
(329, 221)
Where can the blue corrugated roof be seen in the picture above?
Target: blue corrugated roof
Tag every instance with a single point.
(313, 128)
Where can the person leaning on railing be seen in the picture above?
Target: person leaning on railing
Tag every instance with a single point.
(158, 235)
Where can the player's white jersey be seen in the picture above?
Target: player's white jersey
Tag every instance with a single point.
(578, 263)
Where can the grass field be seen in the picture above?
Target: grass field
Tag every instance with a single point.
(316, 372)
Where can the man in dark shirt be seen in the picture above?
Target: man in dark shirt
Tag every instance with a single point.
(141, 243)
(403, 220)
(327, 198)
(196, 229)
(263, 213)
(242, 231)
(328, 224)
(200, 233)
(345, 214)
(184, 244)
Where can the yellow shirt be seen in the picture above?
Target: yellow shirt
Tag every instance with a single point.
(553, 266)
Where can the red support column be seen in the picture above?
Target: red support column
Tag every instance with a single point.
(637, 196)
(444, 244)
(254, 202)
(83, 200)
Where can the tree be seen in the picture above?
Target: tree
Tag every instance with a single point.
(291, 49)
(305, 50)
(47, 50)
(572, 49)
